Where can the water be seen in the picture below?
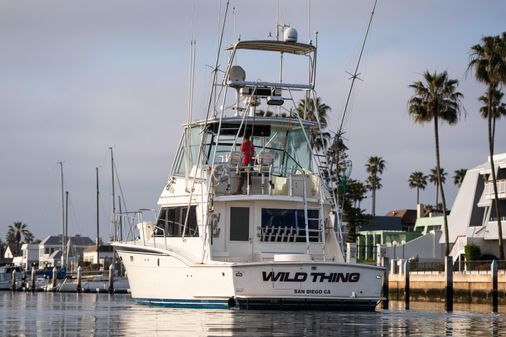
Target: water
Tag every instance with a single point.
(47, 314)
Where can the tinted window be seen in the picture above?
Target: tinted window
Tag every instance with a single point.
(239, 223)
(289, 225)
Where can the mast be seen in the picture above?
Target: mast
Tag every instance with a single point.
(62, 216)
(65, 233)
(115, 235)
(98, 221)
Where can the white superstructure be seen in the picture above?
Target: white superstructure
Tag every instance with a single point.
(276, 245)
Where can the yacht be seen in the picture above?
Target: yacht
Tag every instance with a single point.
(275, 244)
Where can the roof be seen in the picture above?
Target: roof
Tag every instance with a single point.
(379, 223)
(55, 240)
(276, 46)
(408, 216)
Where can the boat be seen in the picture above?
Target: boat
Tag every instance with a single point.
(6, 277)
(275, 244)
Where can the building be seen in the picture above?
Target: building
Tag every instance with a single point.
(50, 249)
(106, 255)
(473, 219)
(29, 256)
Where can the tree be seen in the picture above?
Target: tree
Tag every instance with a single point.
(498, 108)
(316, 111)
(356, 192)
(433, 178)
(17, 231)
(374, 166)
(419, 181)
(488, 60)
(458, 178)
(436, 98)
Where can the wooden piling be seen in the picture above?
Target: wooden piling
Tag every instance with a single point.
(13, 281)
(32, 280)
(111, 279)
(385, 264)
(495, 293)
(53, 283)
(449, 284)
(79, 288)
(406, 285)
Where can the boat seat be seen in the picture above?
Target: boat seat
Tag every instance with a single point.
(234, 161)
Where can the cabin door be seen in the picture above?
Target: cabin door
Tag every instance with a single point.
(240, 236)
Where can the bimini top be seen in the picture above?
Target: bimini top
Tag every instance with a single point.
(276, 46)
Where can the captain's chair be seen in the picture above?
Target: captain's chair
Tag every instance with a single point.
(263, 166)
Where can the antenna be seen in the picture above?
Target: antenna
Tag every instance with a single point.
(356, 74)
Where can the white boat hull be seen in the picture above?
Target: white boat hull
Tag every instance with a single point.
(161, 278)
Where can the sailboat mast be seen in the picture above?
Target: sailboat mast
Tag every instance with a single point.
(65, 233)
(115, 235)
(98, 219)
(62, 216)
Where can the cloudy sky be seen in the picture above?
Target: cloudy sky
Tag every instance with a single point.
(77, 77)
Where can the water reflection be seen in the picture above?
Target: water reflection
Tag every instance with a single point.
(47, 314)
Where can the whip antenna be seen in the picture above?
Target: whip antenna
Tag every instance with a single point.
(356, 74)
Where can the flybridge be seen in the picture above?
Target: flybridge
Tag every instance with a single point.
(313, 277)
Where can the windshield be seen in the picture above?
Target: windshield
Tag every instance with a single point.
(287, 144)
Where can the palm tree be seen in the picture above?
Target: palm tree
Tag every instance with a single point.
(498, 108)
(15, 232)
(374, 166)
(433, 178)
(488, 59)
(458, 178)
(436, 98)
(419, 181)
(316, 111)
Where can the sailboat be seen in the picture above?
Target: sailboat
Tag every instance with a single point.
(275, 243)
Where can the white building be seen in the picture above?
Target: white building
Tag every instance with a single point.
(105, 254)
(29, 256)
(473, 219)
(50, 249)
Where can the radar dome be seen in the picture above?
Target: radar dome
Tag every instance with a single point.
(236, 74)
(290, 35)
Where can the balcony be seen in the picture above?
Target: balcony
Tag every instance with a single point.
(501, 189)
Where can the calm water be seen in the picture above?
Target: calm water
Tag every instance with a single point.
(46, 314)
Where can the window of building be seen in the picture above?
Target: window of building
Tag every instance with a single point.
(171, 222)
(288, 225)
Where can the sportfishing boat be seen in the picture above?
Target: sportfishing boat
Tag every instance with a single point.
(238, 233)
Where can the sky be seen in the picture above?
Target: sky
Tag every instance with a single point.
(78, 77)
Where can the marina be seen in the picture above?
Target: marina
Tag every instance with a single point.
(259, 195)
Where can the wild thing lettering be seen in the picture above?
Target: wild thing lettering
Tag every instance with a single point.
(284, 276)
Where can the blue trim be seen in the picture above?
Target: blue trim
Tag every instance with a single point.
(184, 303)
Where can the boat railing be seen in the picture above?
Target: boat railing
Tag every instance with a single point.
(261, 181)
(288, 234)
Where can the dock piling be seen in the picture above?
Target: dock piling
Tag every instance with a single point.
(13, 281)
(495, 298)
(111, 279)
(53, 280)
(407, 292)
(32, 280)
(78, 288)
(449, 283)
(385, 264)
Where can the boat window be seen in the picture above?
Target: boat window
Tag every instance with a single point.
(288, 225)
(188, 151)
(171, 222)
(239, 223)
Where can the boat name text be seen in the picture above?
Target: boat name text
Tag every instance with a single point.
(284, 276)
